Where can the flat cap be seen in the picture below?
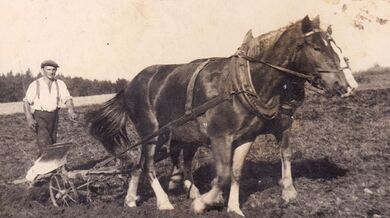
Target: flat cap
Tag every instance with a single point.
(49, 63)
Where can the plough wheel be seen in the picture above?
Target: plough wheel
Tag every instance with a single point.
(62, 192)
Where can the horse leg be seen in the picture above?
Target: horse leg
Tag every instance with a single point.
(146, 123)
(289, 193)
(163, 202)
(177, 171)
(131, 197)
(238, 161)
(188, 155)
(177, 174)
(221, 148)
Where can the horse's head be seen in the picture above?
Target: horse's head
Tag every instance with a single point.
(305, 47)
(318, 55)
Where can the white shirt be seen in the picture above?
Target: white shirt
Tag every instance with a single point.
(47, 100)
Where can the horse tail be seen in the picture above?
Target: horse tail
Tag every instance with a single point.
(108, 123)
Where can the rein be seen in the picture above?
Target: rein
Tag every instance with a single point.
(279, 68)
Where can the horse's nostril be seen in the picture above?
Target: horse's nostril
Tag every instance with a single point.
(336, 86)
(341, 90)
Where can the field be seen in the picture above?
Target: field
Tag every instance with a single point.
(341, 166)
(17, 107)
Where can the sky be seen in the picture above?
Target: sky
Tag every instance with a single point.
(107, 40)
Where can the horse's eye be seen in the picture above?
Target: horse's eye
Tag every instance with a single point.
(317, 48)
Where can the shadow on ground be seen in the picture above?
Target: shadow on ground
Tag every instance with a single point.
(259, 176)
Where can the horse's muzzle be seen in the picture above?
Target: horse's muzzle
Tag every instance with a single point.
(350, 91)
(342, 90)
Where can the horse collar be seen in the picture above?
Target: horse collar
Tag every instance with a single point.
(246, 92)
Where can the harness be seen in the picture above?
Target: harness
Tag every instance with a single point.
(247, 91)
(191, 85)
(243, 86)
(38, 90)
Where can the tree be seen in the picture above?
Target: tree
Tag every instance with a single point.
(13, 86)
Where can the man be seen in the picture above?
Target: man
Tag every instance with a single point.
(41, 105)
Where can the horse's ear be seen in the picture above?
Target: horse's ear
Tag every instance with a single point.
(307, 26)
(316, 21)
(248, 37)
(329, 30)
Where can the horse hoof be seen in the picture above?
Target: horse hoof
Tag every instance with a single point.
(194, 193)
(289, 194)
(192, 190)
(165, 206)
(280, 182)
(132, 202)
(219, 199)
(198, 206)
(235, 211)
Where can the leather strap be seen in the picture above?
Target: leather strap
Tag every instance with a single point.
(38, 88)
(191, 85)
(246, 93)
(282, 69)
(58, 92)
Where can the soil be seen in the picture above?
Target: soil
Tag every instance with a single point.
(341, 167)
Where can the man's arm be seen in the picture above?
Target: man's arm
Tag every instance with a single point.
(27, 101)
(70, 106)
(30, 119)
(67, 99)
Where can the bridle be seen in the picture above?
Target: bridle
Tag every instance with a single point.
(314, 79)
(330, 40)
(279, 68)
(317, 82)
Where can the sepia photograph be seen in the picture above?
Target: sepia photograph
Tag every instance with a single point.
(195, 108)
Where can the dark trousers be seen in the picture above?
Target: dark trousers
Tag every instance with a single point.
(46, 132)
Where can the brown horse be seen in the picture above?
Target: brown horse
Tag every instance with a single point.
(261, 87)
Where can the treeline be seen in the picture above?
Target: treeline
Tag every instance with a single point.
(13, 86)
(376, 69)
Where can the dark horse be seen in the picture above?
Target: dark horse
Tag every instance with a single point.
(261, 87)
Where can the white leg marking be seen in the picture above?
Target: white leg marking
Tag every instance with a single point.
(289, 193)
(209, 198)
(233, 204)
(176, 178)
(162, 198)
(190, 187)
(238, 161)
(131, 197)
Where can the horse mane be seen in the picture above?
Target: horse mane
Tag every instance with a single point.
(264, 42)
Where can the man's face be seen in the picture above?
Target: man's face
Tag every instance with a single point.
(49, 72)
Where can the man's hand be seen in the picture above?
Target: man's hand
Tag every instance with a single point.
(72, 115)
(32, 123)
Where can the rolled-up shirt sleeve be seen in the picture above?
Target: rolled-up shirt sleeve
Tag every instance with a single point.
(31, 93)
(64, 92)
